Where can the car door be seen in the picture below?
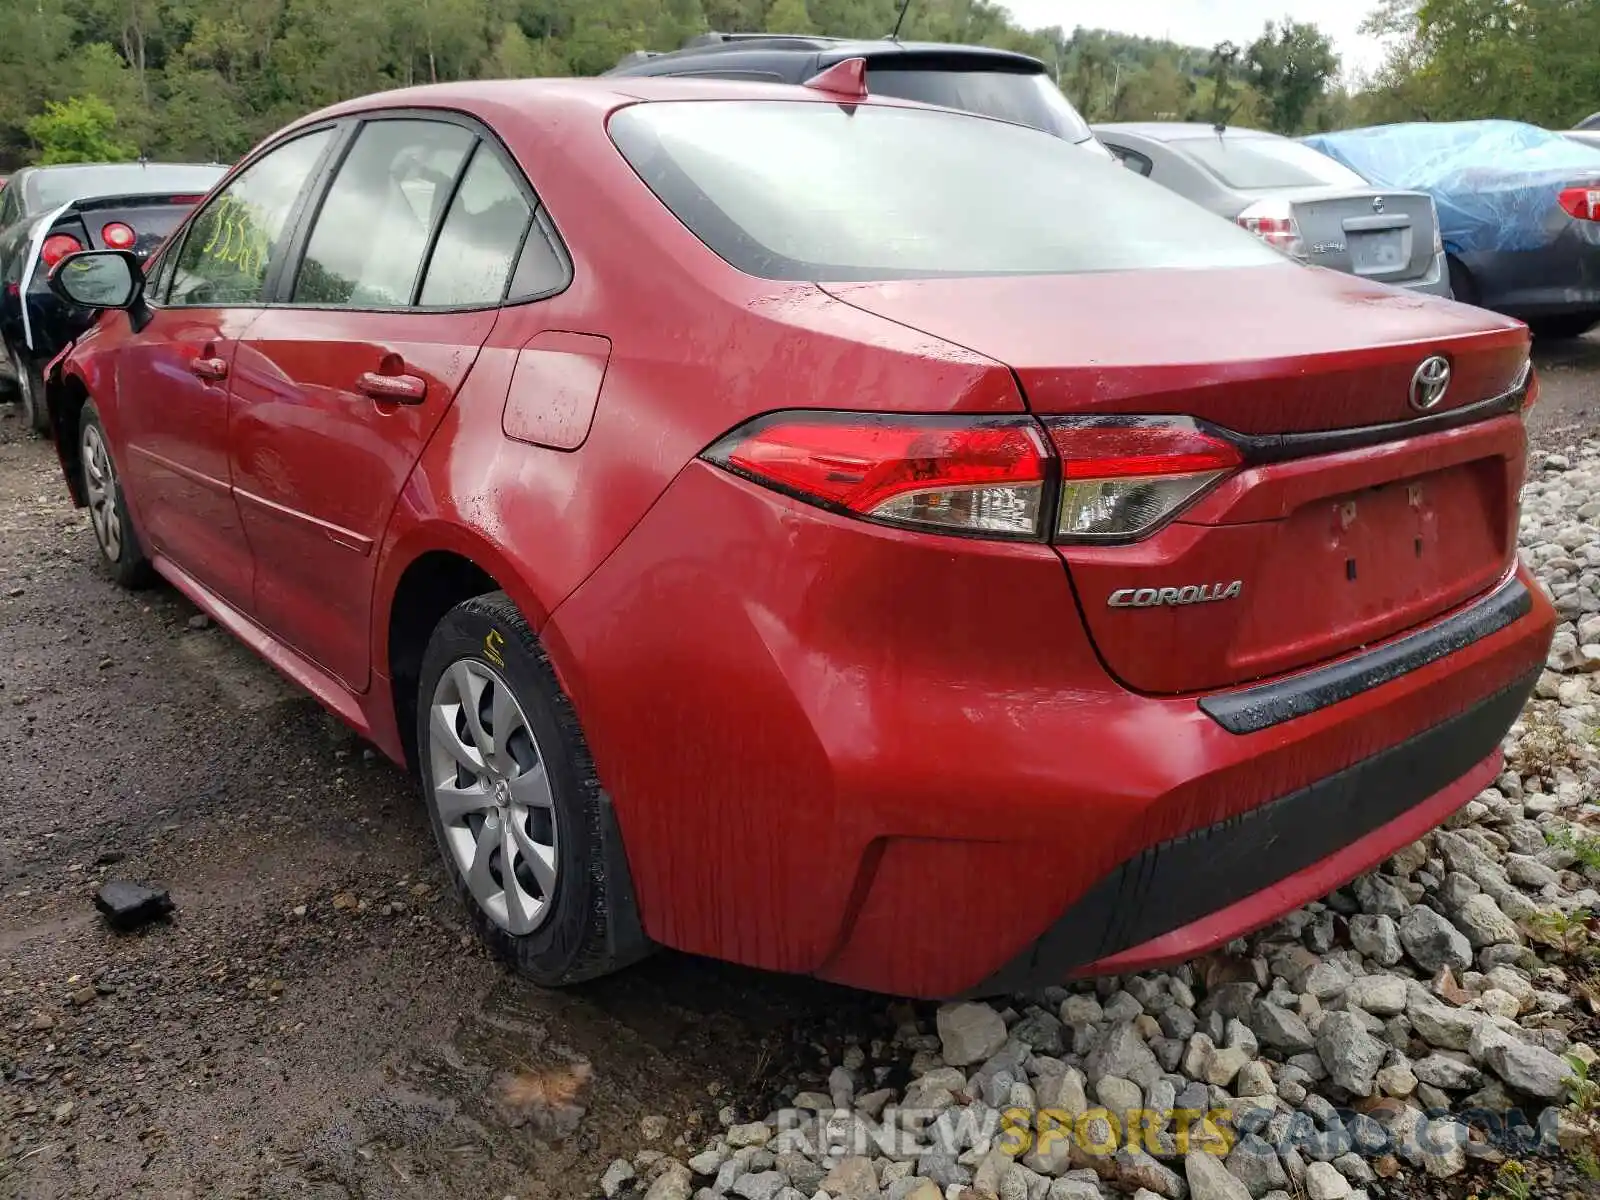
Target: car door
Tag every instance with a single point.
(403, 269)
(173, 375)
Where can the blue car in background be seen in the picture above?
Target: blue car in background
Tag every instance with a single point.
(1519, 211)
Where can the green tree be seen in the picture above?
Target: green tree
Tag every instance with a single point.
(1531, 60)
(79, 129)
(514, 56)
(209, 78)
(1159, 93)
(1290, 65)
(789, 16)
(97, 69)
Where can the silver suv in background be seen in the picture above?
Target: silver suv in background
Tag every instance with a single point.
(1294, 198)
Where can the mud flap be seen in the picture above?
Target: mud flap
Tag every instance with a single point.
(625, 935)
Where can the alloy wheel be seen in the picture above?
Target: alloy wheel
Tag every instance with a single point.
(493, 797)
(100, 482)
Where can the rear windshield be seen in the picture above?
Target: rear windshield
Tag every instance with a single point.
(829, 192)
(1258, 164)
(1027, 99)
(55, 186)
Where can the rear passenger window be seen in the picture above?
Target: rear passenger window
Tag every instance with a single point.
(224, 257)
(481, 239)
(541, 269)
(367, 245)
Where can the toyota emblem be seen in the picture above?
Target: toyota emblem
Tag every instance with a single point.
(1430, 383)
(1377, 204)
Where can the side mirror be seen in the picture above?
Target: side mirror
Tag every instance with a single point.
(99, 279)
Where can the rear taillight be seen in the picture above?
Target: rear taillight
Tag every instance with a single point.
(1071, 480)
(56, 247)
(118, 236)
(985, 477)
(1273, 222)
(1581, 202)
(1123, 478)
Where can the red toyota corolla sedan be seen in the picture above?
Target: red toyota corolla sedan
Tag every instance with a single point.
(823, 532)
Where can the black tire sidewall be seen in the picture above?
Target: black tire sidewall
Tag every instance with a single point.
(556, 950)
(30, 391)
(131, 569)
(1462, 286)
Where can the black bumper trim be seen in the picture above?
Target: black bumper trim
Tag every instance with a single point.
(1251, 710)
(1172, 884)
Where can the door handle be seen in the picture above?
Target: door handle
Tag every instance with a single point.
(393, 389)
(213, 369)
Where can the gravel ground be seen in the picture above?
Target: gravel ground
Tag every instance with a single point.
(313, 1022)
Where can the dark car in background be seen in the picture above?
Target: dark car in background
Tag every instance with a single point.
(979, 79)
(47, 213)
(1584, 137)
(1297, 200)
(1519, 208)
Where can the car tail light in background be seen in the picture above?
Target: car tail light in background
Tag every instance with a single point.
(118, 236)
(1070, 480)
(1582, 202)
(985, 477)
(1274, 223)
(185, 199)
(56, 247)
(1121, 479)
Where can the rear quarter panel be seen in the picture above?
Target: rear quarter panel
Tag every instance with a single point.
(697, 348)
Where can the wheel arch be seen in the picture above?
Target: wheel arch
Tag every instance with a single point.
(424, 577)
(65, 394)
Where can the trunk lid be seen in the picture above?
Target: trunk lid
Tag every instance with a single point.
(152, 219)
(1333, 550)
(1383, 236)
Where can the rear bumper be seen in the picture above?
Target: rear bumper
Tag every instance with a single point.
(1435, 283)
(895, 761)
(1244, 873)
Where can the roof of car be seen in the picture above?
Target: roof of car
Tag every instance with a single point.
(829, 49)
(1176, 131)
(511, 97)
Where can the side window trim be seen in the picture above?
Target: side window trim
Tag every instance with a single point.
(295, 244)
(543, 227)
(282, 273)
(174, 247)
(421, 277)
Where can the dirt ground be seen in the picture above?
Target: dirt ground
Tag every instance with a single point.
(312, 1022)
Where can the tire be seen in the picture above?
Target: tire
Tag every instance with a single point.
(30, 392)
(108, 510)
(1557, 329)
(570, 915)
(1462, 286)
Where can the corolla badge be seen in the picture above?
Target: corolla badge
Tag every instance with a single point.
(1430, 383)
(1203, 593)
